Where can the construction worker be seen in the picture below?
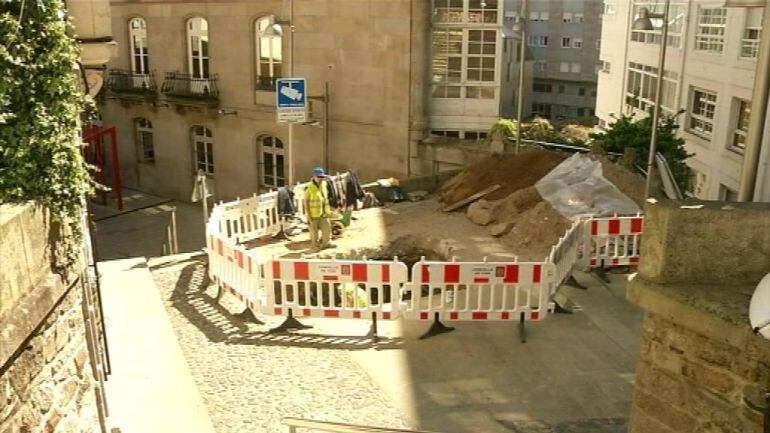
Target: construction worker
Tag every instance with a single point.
(318, 210)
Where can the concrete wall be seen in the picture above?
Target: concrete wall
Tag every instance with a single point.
(46, 378)
(700, 367)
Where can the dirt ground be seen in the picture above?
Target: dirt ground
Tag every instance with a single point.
(403, 229)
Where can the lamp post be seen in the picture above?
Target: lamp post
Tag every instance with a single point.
(521, 27)
(644, 23)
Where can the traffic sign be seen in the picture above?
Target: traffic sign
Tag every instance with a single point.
(291, 100)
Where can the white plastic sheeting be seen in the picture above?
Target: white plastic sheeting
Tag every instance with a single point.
(576, 187)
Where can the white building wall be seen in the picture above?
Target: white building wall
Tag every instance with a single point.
(716, 163)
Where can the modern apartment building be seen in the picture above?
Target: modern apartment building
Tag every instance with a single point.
(193, 86)
(709, 73)
(564, 39)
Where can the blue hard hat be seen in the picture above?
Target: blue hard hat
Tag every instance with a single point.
(318, 171)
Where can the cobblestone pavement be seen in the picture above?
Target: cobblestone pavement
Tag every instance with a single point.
(249, 379)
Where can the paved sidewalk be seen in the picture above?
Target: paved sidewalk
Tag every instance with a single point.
(150, 389)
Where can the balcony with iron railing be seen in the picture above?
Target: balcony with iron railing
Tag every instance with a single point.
(265, 83)
(129, 82)
(181, 86)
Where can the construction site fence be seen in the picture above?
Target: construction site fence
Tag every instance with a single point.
(387, 290)
(259, 215)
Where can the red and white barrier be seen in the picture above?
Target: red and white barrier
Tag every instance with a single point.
(614, 241)
(234, 270)
(567, 252)
(472, 291)
(348, 289)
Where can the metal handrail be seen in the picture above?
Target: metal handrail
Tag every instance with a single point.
(338, 427)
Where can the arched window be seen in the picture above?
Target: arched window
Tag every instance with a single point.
(271, 158)
(144, 145)
(198, 47)
(137, 36)
(269, 52)
(203, 145)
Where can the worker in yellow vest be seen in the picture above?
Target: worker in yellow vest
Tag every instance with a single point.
(318, 210)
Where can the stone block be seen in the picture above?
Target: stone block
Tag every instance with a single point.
(480, 212)
(42, 398)
(677, 419)
(641, 422)
(720, 382)
(678, 243)
(500, 229)
(667, 358)
(666, 386)
(80, 358)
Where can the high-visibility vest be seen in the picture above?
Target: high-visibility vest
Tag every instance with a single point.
(318, 199)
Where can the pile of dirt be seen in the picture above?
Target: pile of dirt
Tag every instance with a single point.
(512, 172)
(628, 182)
(535, 231)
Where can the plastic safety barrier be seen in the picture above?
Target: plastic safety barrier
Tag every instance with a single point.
(614, 241)
(348, 289)
(567, 252)
(234, 270)
(470, 291)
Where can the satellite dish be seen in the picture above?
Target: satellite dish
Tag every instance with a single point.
(759, 308)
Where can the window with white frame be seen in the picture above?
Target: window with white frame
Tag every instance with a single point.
(481, 55)
(537, 41)
(610, 7)
(751, 33)
(198, 47)
(577, 43)
(203, 148)
(445, 133)
(463, 56)
(574, 68)
(448, 11)
(268, 42)
(144, 146)
(567, 17)
(564, 67)
(539, 16)
(605, 66)
(578, 18)
(475, 135)
(272, 161)
(566, 42)
(137, 37)
(743, 109)
(677, 16)
(710, 29)
(641, 86)
(482, 11)
(703, 104)
(541, 65)
(465, 11)
(542, 87)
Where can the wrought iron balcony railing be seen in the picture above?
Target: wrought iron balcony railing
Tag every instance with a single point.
(125, 81)
(181, 85)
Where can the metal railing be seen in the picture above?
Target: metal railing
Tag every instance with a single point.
(125, 81)
(337, 427)
(177, 84)
(265, 83)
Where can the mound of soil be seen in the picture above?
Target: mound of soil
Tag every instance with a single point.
(628, 182)
(511, 172)
(535, 231)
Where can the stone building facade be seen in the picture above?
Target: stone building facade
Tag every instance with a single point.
(193, 87)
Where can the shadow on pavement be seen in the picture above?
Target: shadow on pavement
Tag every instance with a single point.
(201, 309)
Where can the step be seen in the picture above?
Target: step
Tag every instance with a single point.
(151, 388)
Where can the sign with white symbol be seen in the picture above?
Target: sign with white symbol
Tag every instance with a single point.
(291, 100)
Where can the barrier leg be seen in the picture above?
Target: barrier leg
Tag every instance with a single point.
(289, 324)
(436, 328)
(522, 330)
(560, 304)
(373, 331)
(248, 316)
(601, 272)
(220, 292)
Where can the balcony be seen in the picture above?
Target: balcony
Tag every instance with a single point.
(182, 87)
(122, 81)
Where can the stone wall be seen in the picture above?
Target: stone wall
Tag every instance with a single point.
(46, 377)
(700, 369)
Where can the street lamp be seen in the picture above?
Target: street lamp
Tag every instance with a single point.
(644, 22)
(521, 27)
